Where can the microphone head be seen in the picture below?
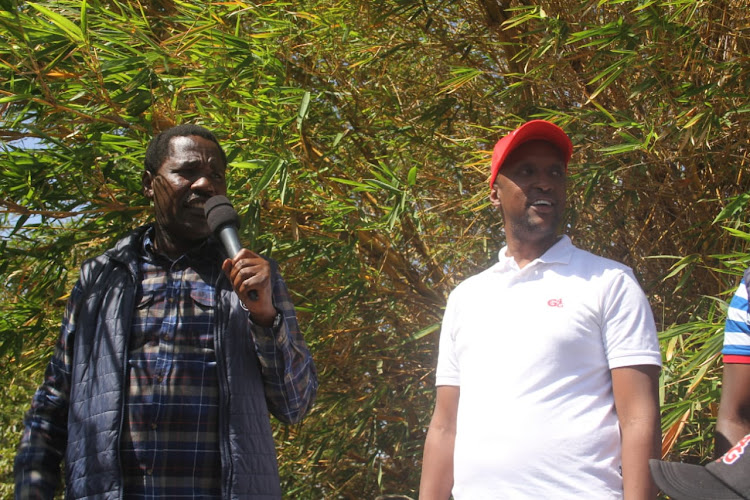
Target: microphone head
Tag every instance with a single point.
(219, 212)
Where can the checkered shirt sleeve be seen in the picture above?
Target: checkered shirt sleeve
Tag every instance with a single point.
(289, 375)
(45, 436)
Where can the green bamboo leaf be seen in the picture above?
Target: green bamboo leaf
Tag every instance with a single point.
(621, 148)
(84, 19)
(698, 378)
(337, 140)
(302, 113)
(69, 28)
(743, 235)
(384, 185)
(247, 165)
(359, 185)
(461, 77)
(610, 75)
(412, 177)
(420, 334)
(735, 208)
(693, 121)
(269, 173)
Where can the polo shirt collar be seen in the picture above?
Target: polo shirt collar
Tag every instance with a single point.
(559, 253)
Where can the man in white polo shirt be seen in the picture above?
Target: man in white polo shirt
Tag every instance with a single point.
(547, 376)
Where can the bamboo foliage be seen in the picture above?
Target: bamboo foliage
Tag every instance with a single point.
(359, 136)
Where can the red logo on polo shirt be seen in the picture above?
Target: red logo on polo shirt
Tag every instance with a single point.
(736, 452)
(555, 303)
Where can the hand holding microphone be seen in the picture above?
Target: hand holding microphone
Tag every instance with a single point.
(249, 273)
(223, 221)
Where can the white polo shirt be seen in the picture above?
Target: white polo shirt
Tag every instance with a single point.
(531, 350)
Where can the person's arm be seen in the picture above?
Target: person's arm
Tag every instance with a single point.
(733, 422)
(45, 435)
(289, 375)
(437, 462)
(636, 395)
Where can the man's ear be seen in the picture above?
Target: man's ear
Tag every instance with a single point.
(495, 197)
(147, 180)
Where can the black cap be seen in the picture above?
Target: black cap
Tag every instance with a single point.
(727, 478)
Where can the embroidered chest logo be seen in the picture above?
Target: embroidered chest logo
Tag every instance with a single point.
(736, 452)
(555, 302)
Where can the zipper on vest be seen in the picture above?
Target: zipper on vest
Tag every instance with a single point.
(219, 331)
(127, 326)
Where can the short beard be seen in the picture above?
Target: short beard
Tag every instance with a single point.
(523, 228)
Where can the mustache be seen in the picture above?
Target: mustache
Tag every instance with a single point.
(196, 200)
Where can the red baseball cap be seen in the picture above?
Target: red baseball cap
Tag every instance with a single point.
(533, 130)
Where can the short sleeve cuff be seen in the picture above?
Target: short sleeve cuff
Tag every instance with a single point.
(443, 380)
(635, 360)
(736, 359)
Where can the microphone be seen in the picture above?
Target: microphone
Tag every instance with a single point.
(223, 222)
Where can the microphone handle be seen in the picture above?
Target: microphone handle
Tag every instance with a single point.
(231, 241)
